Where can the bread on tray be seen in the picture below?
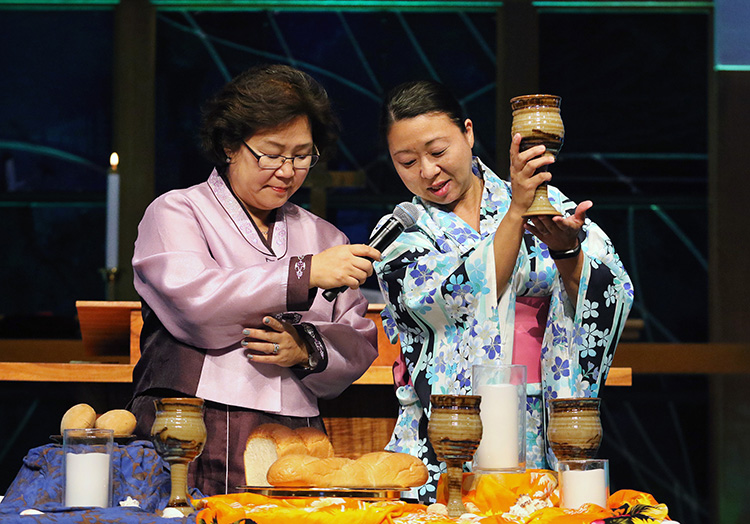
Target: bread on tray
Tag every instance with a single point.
(268, 442)
(380, 469)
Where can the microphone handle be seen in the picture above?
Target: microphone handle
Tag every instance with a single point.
(382, 239)
(331, 294)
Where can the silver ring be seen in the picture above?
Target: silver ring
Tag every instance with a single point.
(275, 349)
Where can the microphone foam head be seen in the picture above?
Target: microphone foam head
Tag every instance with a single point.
(406, 213)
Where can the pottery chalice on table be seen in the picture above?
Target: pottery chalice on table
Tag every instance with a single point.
(574, 430)
(537, 118)
(455, 430)
(178, 435)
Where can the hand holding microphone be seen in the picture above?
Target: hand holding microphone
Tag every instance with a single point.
(347, 265)
(404, 215)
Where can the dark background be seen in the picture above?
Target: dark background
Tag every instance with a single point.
(634, 88)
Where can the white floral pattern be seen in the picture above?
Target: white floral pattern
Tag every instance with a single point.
(438, 280)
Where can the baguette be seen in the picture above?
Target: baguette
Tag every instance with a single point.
(380, 469)
(269, 442)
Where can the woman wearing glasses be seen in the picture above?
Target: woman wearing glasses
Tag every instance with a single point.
(228, 272)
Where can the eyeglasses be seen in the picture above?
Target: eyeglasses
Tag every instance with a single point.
(276, 161)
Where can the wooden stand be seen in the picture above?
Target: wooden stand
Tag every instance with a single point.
(110, 330)
(108, 351)
(111, 340)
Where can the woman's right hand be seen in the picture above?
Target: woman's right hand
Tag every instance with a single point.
(346, 265)
(523, 166)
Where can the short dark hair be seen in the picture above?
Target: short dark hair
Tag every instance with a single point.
(265, 97)
(419, 97)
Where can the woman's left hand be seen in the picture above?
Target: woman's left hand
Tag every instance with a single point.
(558, 232)
(280, 344)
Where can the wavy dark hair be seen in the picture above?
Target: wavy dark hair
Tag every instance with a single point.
(261, 98)
(419, 97)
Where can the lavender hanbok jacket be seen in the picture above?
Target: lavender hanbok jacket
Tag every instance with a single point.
(204, 275)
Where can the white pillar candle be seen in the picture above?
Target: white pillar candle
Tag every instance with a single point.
(581, 487)
(500, 423)
(113, 213)
(87, 477)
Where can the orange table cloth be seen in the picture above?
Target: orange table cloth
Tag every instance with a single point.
(490, 499)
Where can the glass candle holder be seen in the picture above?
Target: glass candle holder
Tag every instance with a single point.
(584, 481)
(87, 468)
(503, 393)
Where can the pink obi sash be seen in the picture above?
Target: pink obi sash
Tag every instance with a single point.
(531, 320)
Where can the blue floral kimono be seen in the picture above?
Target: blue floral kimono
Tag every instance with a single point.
(438, 279)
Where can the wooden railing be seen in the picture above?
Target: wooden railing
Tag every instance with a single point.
(110, 348)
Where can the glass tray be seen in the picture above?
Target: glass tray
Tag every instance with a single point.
(358, 493)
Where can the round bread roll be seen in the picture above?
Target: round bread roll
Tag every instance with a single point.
(121, 421)
(80, 416)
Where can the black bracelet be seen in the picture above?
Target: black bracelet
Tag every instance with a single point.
(570, 253)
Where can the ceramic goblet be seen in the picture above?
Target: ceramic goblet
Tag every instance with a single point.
(537, 118)
(455, 431)
(575, 428)
(178, 435)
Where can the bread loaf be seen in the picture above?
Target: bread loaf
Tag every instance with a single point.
(380, 469)
(121, 421)
(316, 442)
(268, 442)
(80, 416)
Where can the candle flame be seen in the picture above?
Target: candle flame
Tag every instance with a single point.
(114, 160)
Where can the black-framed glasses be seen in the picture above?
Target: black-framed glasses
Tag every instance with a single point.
(276, 161)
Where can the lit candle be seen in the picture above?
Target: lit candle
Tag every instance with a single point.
(113, 212)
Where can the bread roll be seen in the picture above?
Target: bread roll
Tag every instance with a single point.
(80, 416)
(305, 470)
(121, 421)
(380, 469)
(268, 442)
(384, 468)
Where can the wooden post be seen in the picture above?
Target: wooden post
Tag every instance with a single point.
(134, 126)
(729, 293)
(729, 296)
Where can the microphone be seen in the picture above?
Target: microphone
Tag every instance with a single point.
(405, 215)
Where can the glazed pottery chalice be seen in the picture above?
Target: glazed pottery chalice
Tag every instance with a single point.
(178, 435)
(537, 118)
(575, 429)
(455, 431)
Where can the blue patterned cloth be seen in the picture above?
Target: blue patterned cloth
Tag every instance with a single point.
(138, 473)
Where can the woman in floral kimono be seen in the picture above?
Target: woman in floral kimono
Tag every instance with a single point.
(228, 272)
(474, 282)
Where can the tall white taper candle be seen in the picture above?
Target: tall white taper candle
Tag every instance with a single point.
(113, 212)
